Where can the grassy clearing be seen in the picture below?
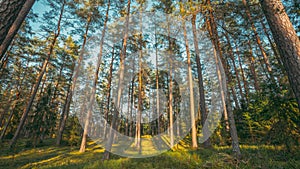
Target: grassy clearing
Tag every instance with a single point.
(218, 157)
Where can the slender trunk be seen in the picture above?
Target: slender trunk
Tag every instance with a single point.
(171, 106)
(157, 83)
(190, 81)
(131, 102)
(120, 87)
(93, 92)
(258, 41)
(287, 41)
(38, 80)
(76, 73)
(200, 84)
(227, 105)
(245, 83)
(109, 91)
(140, 85)
(64, 117)
(235, 99)
(273, 46)
(212, 30)
(140, 107)
(9, 118)
(231, 56)
(16, 24)
(127, 114)
(252, 68)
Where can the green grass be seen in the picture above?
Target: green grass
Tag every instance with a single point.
(48, 156)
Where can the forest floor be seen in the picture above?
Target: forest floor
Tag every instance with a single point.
(47, 156)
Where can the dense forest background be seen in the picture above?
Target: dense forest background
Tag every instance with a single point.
(60, 72)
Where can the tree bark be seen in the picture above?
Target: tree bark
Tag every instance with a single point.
(286, 40)
(12, 19)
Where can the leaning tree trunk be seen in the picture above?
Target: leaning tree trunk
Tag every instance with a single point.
(9, 11)
(245, 83)
(200, 83)
(65, 112)
(286, 40)
(11, 20)
(212, 28)
(231, 56)
(92, 95)
(258, 41)
(39, 79)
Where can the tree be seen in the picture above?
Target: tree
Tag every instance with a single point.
(121, 77)
(287, 41)
(95, 82)
(227, 108)
(200, 81)
(13, 15)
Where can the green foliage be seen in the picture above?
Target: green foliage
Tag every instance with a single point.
(271, 118)
(73, 132)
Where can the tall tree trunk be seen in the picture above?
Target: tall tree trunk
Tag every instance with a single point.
(203, 111)
(131, 101)
(287, 41)
(140, 103)
(157, 83)
(92, 95)
(190, 81)
(140, 84)
(12, 19)
(70, 94)
(120, 87)
(212, 28)
(39, 79)
(108, 95)
(171, 106)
